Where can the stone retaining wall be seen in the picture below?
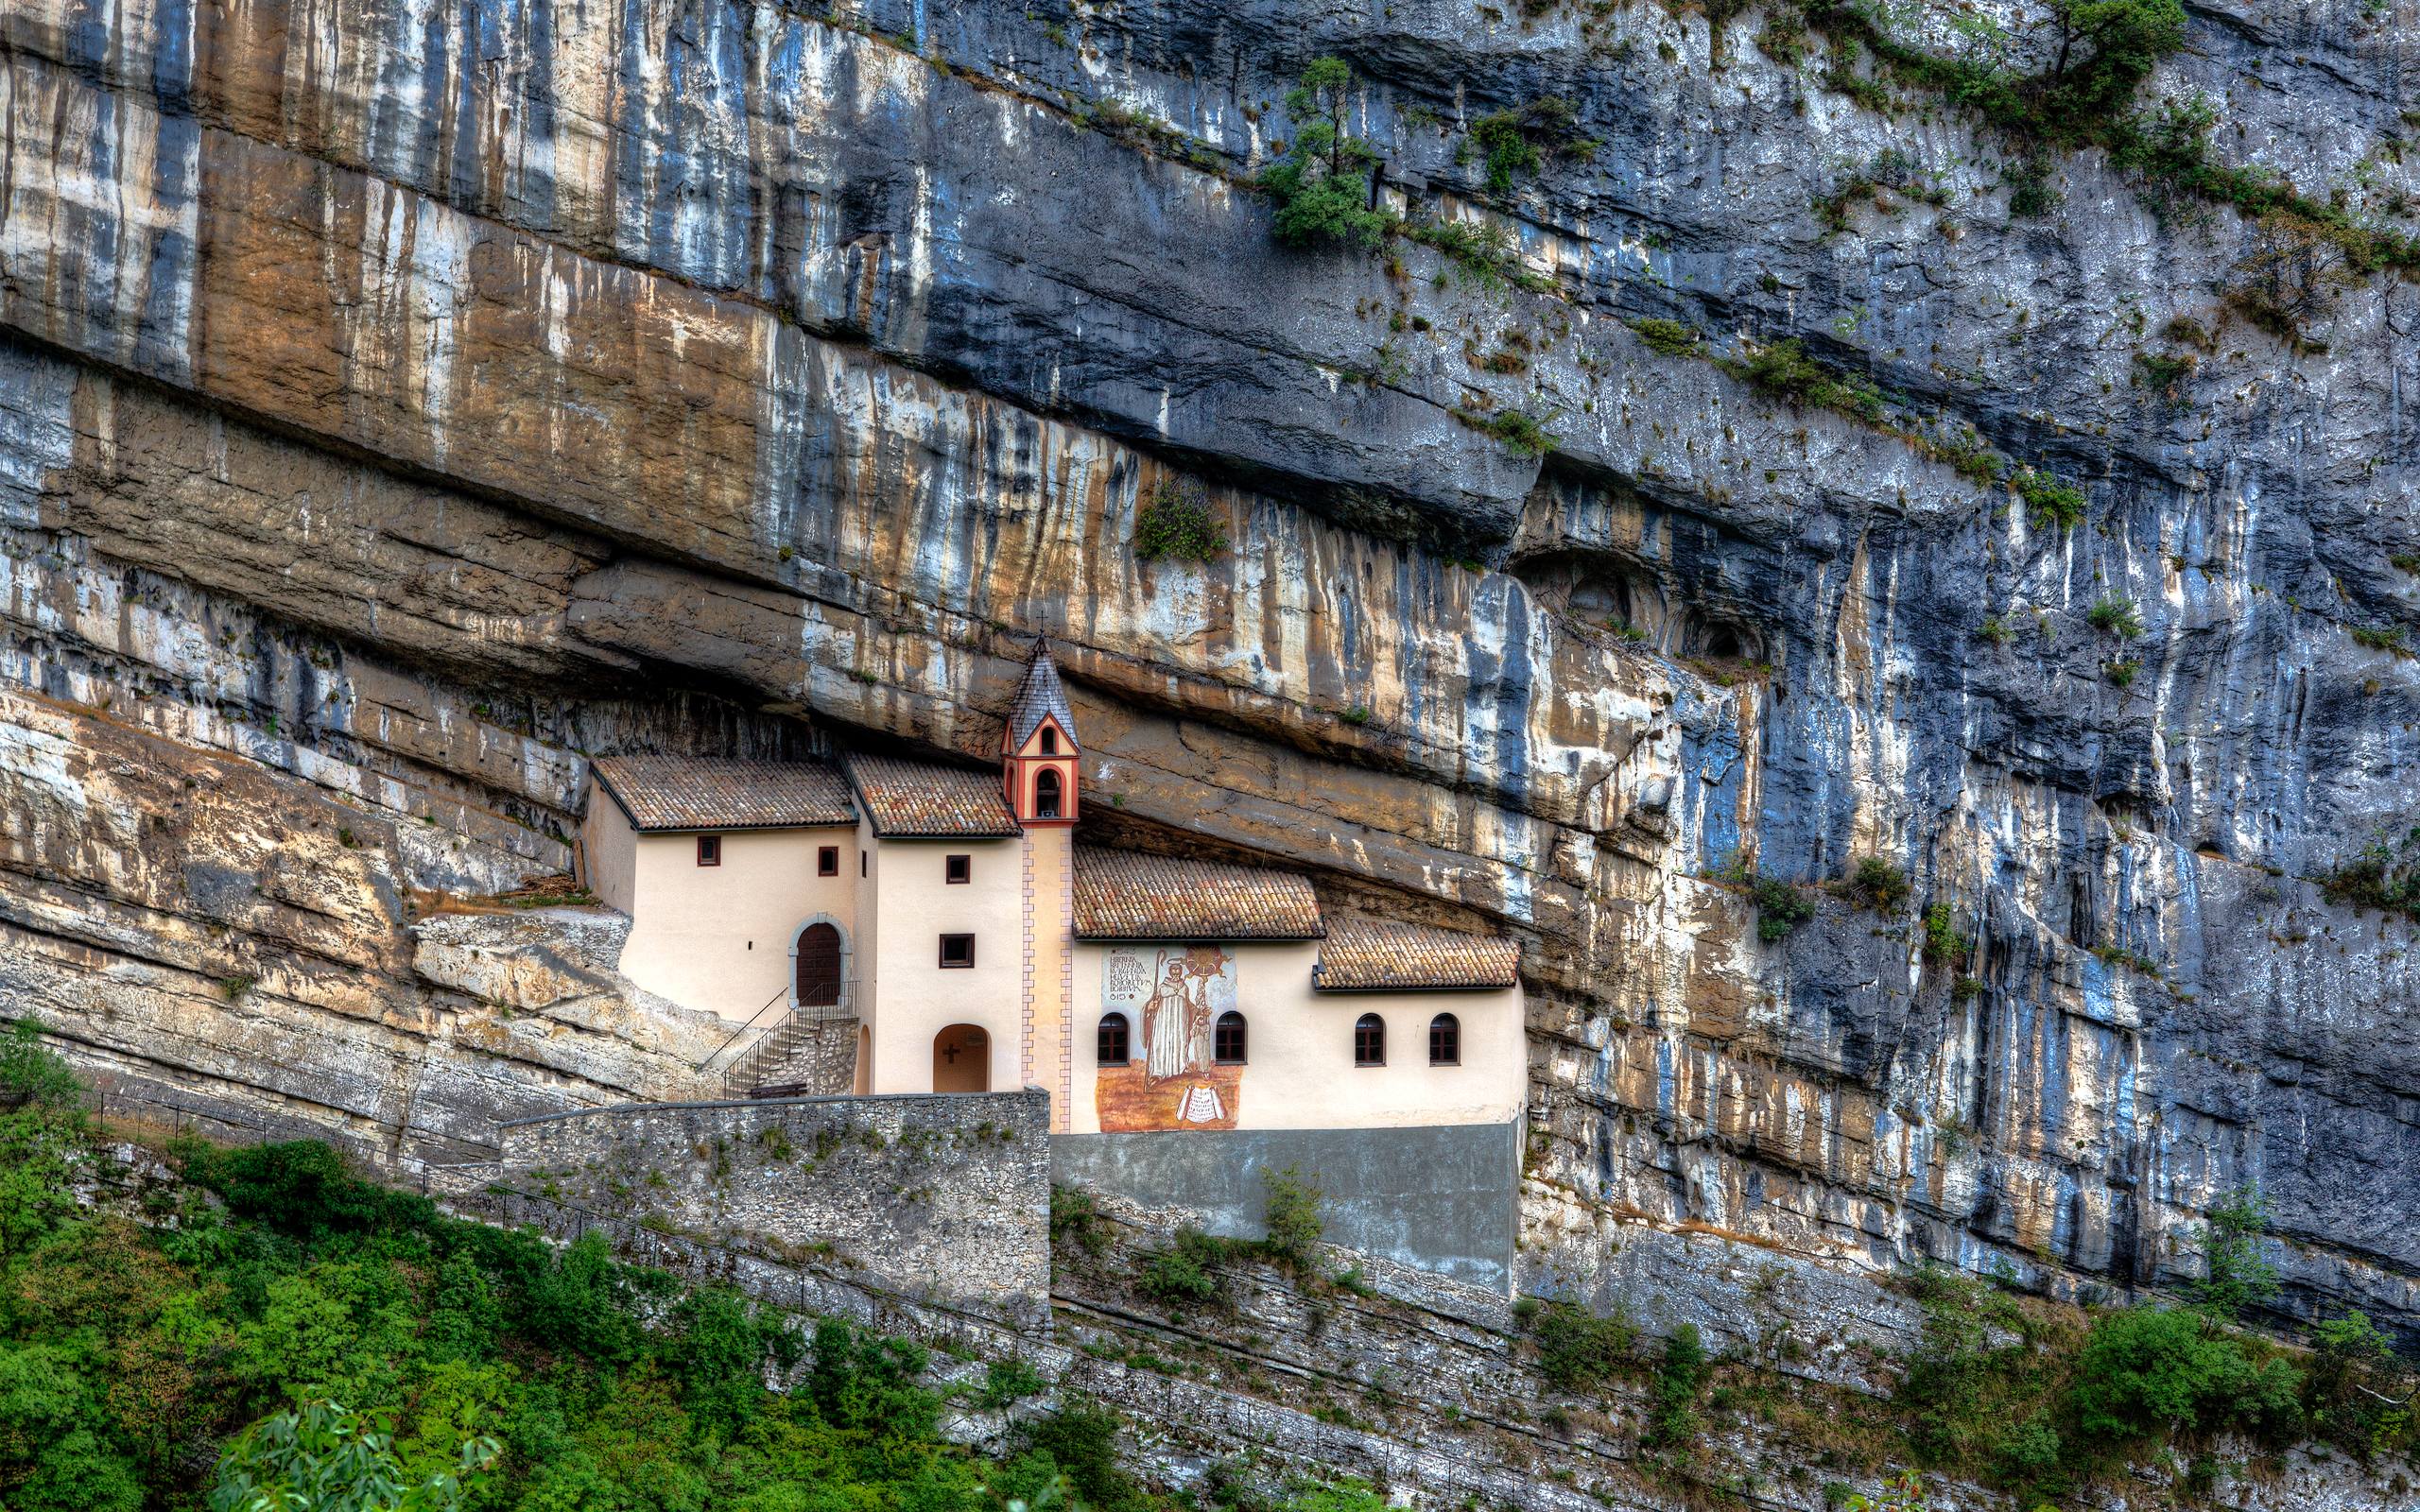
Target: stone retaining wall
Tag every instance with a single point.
(939, 1199)
(1445, 1198)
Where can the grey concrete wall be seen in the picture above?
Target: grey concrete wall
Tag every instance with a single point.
(936, 1199)
(1444, 1198)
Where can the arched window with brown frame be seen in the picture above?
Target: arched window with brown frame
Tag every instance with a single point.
(1444, 1040)
(1370, 1041)
(1110, 1044)
(1227, 1039)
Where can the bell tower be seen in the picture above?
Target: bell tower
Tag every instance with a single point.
(1039, 758)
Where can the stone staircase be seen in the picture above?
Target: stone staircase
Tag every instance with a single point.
(810, 1050)
(812, 1054)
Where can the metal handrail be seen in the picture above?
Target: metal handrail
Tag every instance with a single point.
(845, 992)
(715, 1053)
(768, 1048)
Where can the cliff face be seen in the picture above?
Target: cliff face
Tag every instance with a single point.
(398, 402)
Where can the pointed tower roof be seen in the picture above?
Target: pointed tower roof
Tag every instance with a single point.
(1041, 695)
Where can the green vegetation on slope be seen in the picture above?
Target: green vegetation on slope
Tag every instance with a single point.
(320, 1330)
(2046, 1402)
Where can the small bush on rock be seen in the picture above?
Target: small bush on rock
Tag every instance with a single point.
(1578, 1352)
(2051, 500)
(1290, 1217)
(2115, 616)
(1668, 337)
(1679, 1377)
(1184, 1275)
(1879, 884)
(1177, 522)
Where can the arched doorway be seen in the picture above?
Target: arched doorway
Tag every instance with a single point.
(818, 967)
(963, 1059)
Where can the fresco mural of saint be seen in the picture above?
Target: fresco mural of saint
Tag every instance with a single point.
(1175, 994)
(1177, 1019)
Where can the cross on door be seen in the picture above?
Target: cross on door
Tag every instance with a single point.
(950, 1055)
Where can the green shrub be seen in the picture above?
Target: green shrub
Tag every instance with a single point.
(1523, 434)
(1578, 1352)
(321, 1458)
(1183, 1274)
(1673, 1394)
(1176, 521)
(35, 1073)
(1786, 372)
(1879, 884)
(2236, 1275)
(2388, 638)
(2380, 876)
(1082, 1441)
(1944, 940)
(1669, 337)
(2360, 1391)
(2165, 372)
(1781, 908)
(1007, 1382)
(2051, 500)
(1515, 141)
(126, 1349)
(301, 1188)
(1291, 1218)
(1339, 1496)
(2157, 1371)
(1076, 1222)
(1507, 149)
(1904, 1492)
(2122, 673)
(1485, 251)
(2115, 616)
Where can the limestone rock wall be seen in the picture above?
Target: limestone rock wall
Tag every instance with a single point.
(399, 403)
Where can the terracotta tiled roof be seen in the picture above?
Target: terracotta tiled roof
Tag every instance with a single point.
(717, 793)
(1038, 696)
(1127, 895)
(908, 800)
(1362, 956)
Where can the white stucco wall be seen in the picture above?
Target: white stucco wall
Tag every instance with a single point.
(608, 850)
(913, 998)
(1298, 1072)
(720, 938)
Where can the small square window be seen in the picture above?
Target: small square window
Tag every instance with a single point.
(957, 952)
(710, 849)
(957, 868)
(827, 861)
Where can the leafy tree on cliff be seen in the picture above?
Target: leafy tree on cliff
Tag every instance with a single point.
(2105, 47)
(1326, 183)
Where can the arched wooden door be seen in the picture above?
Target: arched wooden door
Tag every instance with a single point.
(963, 1059)
(818, 967)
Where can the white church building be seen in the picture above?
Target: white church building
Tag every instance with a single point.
(979, 945)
